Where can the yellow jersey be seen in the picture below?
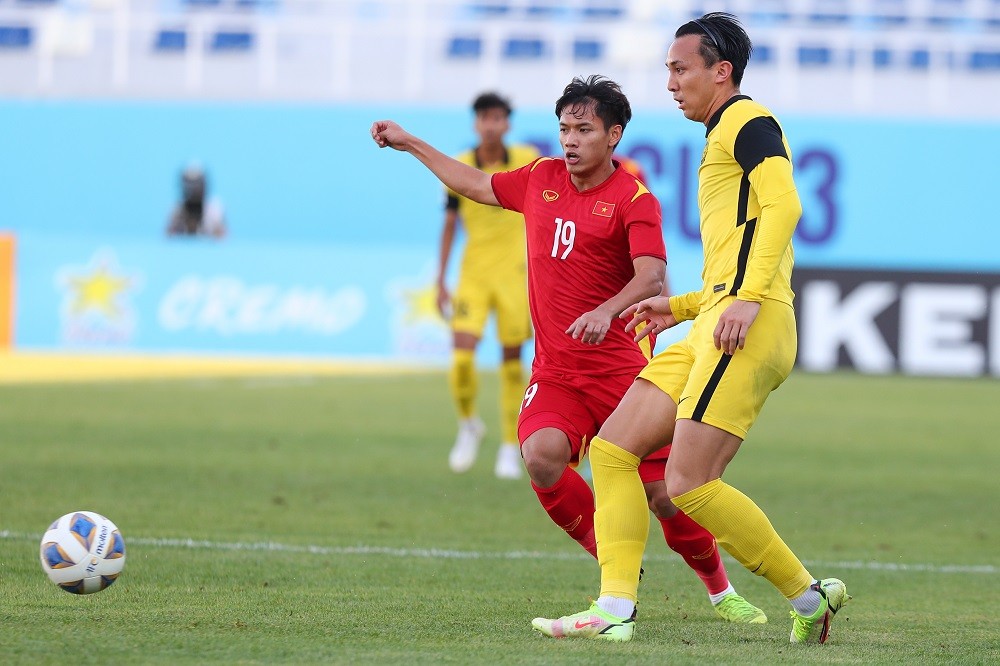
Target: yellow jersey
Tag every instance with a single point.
(494, 237)
(749, 208)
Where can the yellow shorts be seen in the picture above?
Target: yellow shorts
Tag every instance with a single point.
(725, 391)
(507, 295)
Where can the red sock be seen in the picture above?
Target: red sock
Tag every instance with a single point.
(697, 546)
(570, 505)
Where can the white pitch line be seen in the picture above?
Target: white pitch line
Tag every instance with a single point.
(444, 554)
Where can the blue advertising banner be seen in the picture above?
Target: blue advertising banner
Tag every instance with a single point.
(233, 298)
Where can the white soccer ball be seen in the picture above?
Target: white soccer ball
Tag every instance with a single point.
(82, 552)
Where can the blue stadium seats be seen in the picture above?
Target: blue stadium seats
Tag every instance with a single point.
(465, 47)
(15, 37)
(919, 59)
(984, 60)
(882, 58)
(602, 12)
(257, 4)
(815, 56)
(547, 11)
(764, 16)
(524, 48)
(830, 18)
(170, 40)
(489, 9)
(886, 14)
(763, 54)
(231, 41)
(947, 13)
(587, 49)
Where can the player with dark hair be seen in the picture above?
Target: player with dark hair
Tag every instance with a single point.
(493, 278)
(595, 244)
(706, 391)
(488, 101)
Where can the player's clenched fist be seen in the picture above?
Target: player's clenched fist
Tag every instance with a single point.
(387, 133)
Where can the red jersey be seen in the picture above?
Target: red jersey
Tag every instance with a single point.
(580, 251)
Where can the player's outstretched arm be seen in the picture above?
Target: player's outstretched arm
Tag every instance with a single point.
(654, 312)
(468, 181)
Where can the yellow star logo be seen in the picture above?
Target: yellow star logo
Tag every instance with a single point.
(421, 305)
(98, 291)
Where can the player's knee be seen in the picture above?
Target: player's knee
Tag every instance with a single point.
(677, 484)
(659, 500)
(543, 464)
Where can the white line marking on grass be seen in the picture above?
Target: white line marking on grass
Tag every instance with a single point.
(444, 554)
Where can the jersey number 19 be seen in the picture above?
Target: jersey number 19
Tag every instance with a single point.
(564, 237)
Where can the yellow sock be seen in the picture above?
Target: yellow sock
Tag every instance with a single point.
(511, 393)
(745, 532)
(464, 382)
(621, 522)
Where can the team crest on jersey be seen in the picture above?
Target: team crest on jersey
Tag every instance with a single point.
(550, 195)
(604, 209)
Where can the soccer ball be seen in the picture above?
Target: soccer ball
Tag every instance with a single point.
(82, 552)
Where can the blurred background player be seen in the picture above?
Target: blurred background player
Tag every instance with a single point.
(195, 214)
(492, 278)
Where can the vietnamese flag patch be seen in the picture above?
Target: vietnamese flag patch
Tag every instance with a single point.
(604, 209)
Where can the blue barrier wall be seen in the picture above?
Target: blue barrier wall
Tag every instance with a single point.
(333, 241)
(874, 191)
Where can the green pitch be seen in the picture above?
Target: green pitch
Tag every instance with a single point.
(315, 521)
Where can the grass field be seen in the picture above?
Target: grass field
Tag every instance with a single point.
(315, 521)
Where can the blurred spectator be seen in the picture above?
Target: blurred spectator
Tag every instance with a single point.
(195, 214)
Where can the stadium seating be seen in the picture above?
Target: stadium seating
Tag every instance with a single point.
(524, 48)
(465, 47)
(231, 41)
(170, 40)
(588, 49)
(984, 60)
(15, 36)
(445, 39)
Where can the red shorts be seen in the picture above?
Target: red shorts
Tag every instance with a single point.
(578, 405)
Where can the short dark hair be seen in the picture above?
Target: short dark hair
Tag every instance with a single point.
(491, 100)
(610, 103)
(722, 38)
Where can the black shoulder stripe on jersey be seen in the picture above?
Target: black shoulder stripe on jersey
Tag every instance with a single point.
(451, 203)
(713, 383)
(758, 139)
(717, 116)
